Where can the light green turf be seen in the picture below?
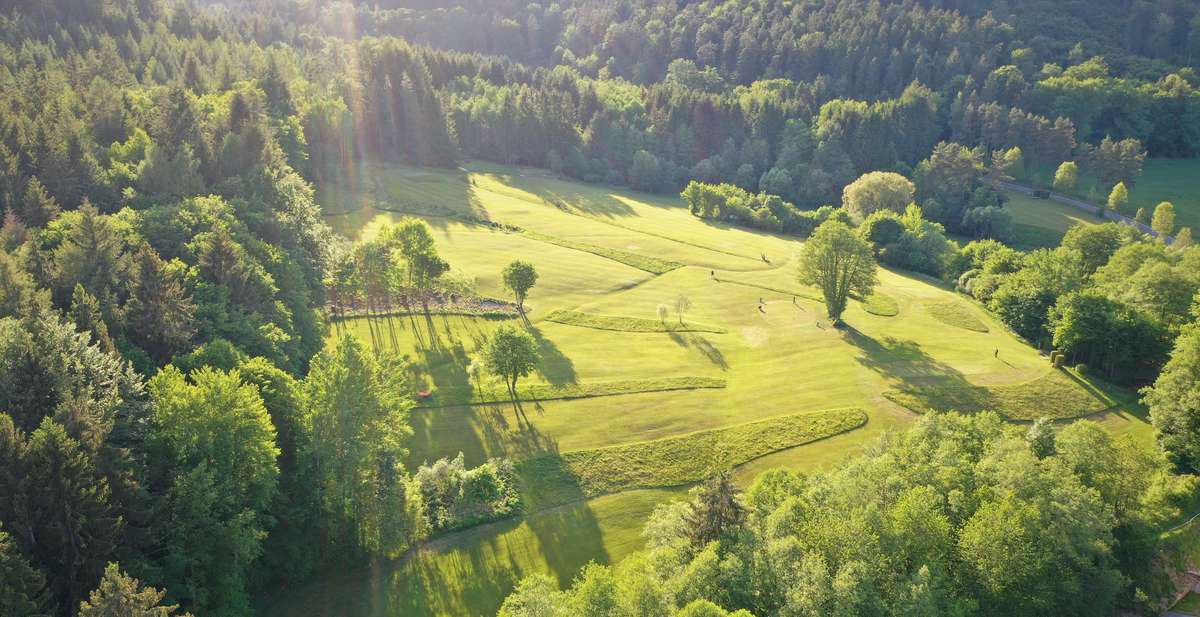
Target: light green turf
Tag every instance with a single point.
(468, 573)
(673, 461)
(777, 354)
(1173, 180)
(1041, 223)
(881, 304)
(629, 324)
(491, 391)
(957, 313)
(1055, 394)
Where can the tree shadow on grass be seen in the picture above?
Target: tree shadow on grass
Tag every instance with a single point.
(569, 537)
(702, 345)
(928, 382)
(468, 572)
(592, 202)
(473, 575)
(445, 368)
(555, 367)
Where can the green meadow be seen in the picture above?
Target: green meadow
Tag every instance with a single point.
(1172, 180)
(1040, 223)
(627, 409)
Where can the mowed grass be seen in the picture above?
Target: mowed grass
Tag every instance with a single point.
(629, 324)
(1173, 180)
(776, 354)
(1057, 394)
(468, 573)
(956, 313)
(653, 265)
(552, 480)
(1041, 223)
(881, 304)
(492, 392)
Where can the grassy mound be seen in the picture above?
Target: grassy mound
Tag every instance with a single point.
(553, 480)
(955, 313)
(1057, 394)
(494, 393)
(626, 324)
(881, 304)
(652, 265)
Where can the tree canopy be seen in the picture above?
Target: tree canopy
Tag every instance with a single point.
(839, 263)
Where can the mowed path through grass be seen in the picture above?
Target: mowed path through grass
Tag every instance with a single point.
(765, 339)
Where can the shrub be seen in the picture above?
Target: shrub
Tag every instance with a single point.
(457, 497)
(730, 203)
(1057, 360)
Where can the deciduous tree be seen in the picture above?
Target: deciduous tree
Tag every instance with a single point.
(1118, 197)
(510, 354)
(877, 190)
(1174, 402)
(1163, 222)
(519, 277)
(358, 426)
(1066, 178)
(840, 263)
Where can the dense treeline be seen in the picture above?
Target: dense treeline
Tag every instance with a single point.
(335, 99)
(1107, 298)
(1032, 54)
(168, 404)
(959, 516)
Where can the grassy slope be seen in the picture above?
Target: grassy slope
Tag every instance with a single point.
(956, 313)
(673, 461)
(629, 324)
(1173, 180)
(781, 360)
(1041, 222)
(1056, 394)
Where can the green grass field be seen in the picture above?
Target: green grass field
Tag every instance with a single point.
(957, 313)
(1173, 180)
(1039, 223)
(766, 381)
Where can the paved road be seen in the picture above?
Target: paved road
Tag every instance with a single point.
(1083, 205)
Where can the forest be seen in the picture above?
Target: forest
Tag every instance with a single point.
(212, 388)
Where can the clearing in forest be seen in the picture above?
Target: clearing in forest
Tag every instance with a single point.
(628, 406)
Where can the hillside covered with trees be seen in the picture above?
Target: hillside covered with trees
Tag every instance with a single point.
(187, 419)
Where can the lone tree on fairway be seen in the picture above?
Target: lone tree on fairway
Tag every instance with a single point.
(510, 355)
(519, 278)
(682, 304)
(839, 262)
(663, 311)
